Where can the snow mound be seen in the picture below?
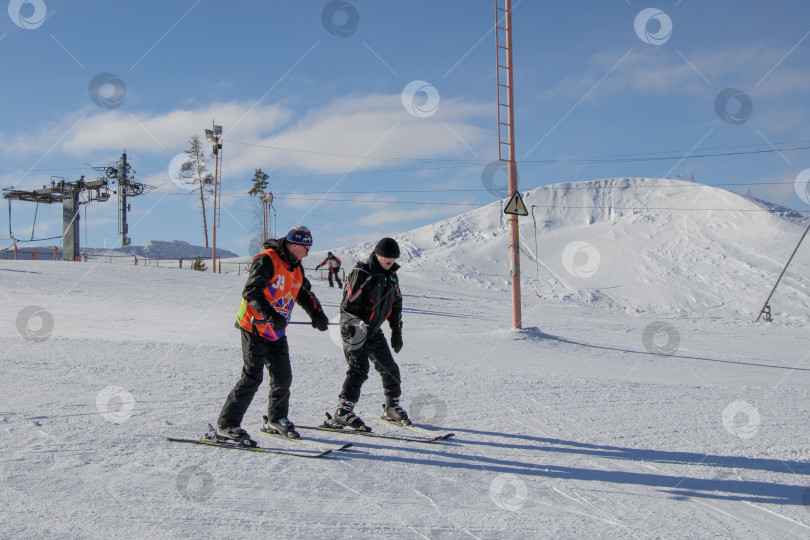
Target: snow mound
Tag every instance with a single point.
(639, 245)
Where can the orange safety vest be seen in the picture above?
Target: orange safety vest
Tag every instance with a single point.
(281, 293)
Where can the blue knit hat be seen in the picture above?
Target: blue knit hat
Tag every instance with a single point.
(300, 236)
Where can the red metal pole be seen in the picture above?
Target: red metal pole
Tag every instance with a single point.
(514, 246)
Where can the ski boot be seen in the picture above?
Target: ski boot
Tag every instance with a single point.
(345, 417)
(393, 412)
(233, 434)
(282, 426)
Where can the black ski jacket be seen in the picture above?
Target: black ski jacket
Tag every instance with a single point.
(372, 294)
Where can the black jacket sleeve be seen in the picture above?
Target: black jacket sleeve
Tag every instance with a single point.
(259, 277)
(395, 319)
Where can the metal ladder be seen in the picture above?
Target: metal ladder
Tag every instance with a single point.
(503, 47)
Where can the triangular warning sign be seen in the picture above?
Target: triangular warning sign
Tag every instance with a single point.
(515, 206)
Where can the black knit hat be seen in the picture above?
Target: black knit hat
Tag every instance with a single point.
(387, 247)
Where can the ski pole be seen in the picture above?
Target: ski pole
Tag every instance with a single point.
(254, 320)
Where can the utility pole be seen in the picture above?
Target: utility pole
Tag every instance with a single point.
(506, 139)
(215, 135)
(267, 203)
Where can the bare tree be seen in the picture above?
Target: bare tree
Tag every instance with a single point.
(195, 172)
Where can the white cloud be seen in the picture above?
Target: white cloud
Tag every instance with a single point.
(370, 210)
(330, 139)
(349, 129)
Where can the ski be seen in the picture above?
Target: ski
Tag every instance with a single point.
(248, 448)
(415, 429)
(307, 441)
(349, 431)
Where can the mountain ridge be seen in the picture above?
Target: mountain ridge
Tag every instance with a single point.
(162, 249)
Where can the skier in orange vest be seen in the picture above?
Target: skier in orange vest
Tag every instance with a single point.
(334, 269)
(275, 283)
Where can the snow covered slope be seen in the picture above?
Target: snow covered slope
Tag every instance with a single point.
(638, 245)
(599, 424)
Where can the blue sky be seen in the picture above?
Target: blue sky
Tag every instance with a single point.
(312, 93)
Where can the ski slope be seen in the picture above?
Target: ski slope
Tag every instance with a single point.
(639, 401)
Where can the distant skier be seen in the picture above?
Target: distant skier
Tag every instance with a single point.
(275, 283)
(371, 297)
(334, 269)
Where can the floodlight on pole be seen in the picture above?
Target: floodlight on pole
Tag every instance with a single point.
(213, 135)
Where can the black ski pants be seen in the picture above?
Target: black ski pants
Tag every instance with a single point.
(336, 273)
(257, 353)
(374, 349)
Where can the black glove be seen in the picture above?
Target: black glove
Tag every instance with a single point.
(277, 321)
(317, 267)
(396, 341)
(320, 321)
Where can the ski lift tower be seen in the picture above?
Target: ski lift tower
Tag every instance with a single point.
(122, 173)
(68, 194)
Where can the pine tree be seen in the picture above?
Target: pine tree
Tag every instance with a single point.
(259, 189)
(195, 172)
(259, 184)
(199, 265)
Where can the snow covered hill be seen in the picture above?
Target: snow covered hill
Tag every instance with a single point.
(637, 245)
